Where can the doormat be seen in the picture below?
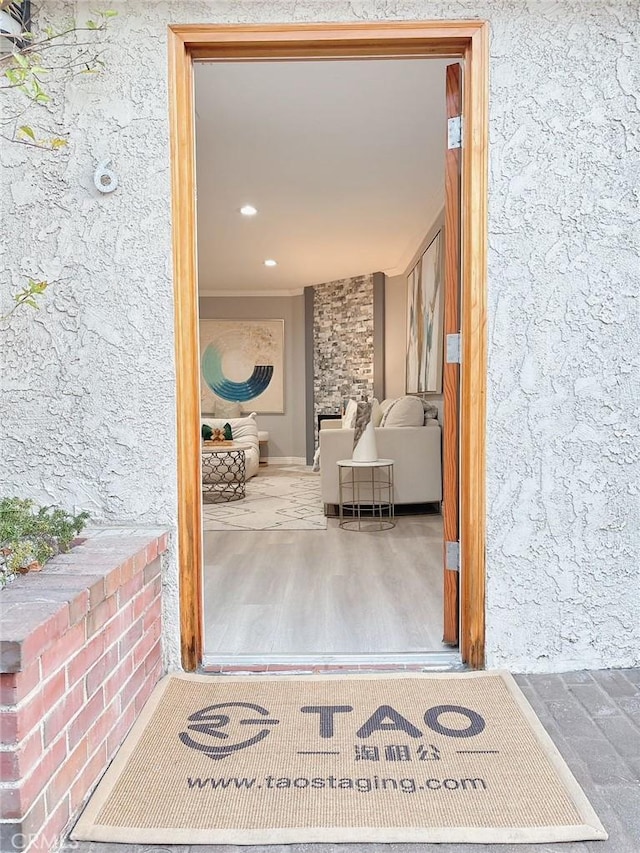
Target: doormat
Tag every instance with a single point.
(447, 757)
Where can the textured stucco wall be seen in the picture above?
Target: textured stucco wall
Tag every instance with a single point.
(89, 417)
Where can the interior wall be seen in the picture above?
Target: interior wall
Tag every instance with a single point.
(287, 431)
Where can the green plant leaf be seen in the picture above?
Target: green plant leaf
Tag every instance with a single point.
(25, 130)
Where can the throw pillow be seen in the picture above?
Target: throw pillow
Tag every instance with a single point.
(405, 412)
(228, 434)
(430, 410)
(349, 417)
(376, 413)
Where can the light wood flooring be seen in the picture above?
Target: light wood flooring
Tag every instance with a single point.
(293, 592)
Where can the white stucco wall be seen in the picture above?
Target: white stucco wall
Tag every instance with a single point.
(89, 406)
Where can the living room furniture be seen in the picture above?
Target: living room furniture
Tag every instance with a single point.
(366, 495)
(244, 431)
(223, 473)
(327, 417)
(415, 451)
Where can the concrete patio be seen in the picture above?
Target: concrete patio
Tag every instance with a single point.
(594, 720)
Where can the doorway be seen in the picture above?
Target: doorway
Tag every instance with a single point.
(330, 41)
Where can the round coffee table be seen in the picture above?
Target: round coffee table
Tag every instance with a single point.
(223, 473)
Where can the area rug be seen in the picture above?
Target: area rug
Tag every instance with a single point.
(455, 757)
(279, 497)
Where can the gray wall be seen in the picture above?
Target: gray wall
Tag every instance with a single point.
(287, 431)
(89, 383)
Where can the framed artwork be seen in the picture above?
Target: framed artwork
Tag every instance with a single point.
(242, 361)
(425, 321)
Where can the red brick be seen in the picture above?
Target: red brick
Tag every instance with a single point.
(14, 686)
(85, 719)
(19, 721)
(112, 581)
(58, 719)
(61, 781)
(132, 686)
(92, 771)
(126, 719)
(154, 657)
(103, 612)
(78, 667)
(9, 771)
(29, 752)
(79, 607)
(115, 628)
(105, 723)
(98, 673)
(115, 682)
(143, 648)
(64, 648)
(129, 640)
(126, 570)
(31, 823)
(53, 690)
(163, 543)
(143, 694)
(53, 830)
(16, 802)
(151, 552)
(45, 634)
(140, 604)
(152, 614)
(139, 561)
(129, 589)
(97, 593)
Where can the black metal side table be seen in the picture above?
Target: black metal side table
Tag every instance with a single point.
(366, 495)
(223, 473)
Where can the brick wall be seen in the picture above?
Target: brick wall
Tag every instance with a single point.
(80, 652)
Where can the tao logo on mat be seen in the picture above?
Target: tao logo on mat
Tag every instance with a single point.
(210, 721)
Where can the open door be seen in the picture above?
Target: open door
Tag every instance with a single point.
(451, 370)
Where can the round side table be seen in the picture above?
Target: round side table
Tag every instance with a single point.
(223, 473)
(366, 494)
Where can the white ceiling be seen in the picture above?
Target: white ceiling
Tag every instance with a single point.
(343, 159)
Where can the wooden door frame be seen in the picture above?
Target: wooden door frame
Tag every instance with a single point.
(466, 40)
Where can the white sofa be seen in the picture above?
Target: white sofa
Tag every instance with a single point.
(415, 450)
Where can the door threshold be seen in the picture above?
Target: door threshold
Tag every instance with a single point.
(441, 661)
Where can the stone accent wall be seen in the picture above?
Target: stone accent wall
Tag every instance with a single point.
(342, 342)
(80, 652)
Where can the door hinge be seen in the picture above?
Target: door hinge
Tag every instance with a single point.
(452, 556)
(454, 348)
(454, 132)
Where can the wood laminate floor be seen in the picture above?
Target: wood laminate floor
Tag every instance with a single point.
(292, 592)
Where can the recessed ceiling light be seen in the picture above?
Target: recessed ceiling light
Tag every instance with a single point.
(248, 210)
(270, 263)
